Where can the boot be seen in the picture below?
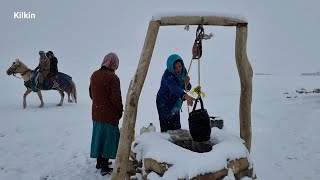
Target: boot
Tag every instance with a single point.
(100, 161)
(105, 169)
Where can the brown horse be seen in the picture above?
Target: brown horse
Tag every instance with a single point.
(68, 86)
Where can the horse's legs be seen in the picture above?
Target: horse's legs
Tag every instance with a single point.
(28, 91)
(40, 97)
(62, 97)
(69, 99)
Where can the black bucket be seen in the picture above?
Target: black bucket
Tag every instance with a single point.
(199, 123)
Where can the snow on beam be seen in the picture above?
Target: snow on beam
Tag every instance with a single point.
(205, 20)
(218, 20)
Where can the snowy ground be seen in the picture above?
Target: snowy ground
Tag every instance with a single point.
(287, 142)
(53, 142)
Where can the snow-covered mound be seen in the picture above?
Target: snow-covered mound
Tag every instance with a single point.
(181, 163)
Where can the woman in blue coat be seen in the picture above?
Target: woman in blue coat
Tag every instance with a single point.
(172, 93)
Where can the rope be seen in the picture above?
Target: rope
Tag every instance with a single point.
(196, 54)
(21, 74)
(185, 85)
(14, 74)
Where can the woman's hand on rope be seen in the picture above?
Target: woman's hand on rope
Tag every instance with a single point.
(189, 99)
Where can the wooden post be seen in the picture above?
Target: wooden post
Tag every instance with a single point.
(245, 73)
(130, 113)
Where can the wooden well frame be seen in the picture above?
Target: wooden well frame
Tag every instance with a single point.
(136, 84)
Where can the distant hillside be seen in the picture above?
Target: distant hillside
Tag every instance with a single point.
(311, 74)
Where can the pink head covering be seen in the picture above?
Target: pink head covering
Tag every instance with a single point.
(111, 61)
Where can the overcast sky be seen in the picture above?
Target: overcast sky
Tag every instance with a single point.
(283, 35)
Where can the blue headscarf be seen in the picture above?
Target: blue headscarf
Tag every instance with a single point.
(181, 77)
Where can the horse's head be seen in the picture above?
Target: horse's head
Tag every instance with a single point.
(16, 67)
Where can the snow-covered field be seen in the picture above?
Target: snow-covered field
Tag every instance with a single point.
(53, 142)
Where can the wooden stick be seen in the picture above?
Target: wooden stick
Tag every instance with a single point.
(245, 73)
(130, 113)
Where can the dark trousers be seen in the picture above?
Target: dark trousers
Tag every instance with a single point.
(170, 123)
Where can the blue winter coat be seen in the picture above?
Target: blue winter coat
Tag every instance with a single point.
(171, 91)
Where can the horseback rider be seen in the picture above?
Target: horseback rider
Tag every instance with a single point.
(43, 67)
(53, 69)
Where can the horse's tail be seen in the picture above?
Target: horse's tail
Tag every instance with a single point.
(74, 91)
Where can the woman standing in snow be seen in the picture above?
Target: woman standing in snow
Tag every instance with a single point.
(107, 110)
(172, 93)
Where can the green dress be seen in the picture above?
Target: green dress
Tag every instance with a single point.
(105, 140)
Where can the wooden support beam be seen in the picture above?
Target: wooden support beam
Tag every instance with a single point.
(245, 73)
(134, 91)
(130, 113)
(205, 20)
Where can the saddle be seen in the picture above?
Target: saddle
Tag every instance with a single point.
(64, 80)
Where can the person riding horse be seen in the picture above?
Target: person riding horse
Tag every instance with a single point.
(66, 84)
(43, 67)
(53, 69)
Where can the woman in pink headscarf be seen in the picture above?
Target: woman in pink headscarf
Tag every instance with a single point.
(107, 110)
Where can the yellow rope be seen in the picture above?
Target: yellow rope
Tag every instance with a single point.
(199, 52)
(197, 89)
